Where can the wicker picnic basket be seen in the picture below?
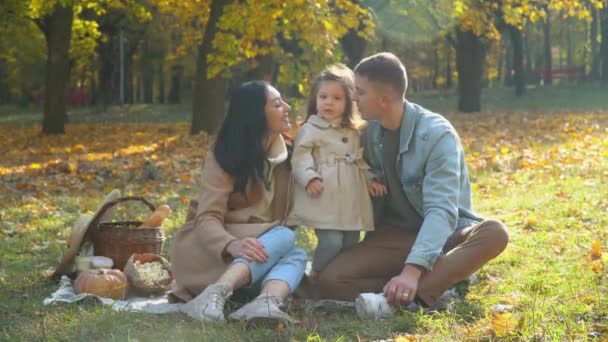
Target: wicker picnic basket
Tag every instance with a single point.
(120, 240)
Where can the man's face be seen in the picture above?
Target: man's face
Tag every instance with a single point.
(368, 99)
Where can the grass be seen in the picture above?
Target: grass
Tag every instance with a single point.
(540, 167)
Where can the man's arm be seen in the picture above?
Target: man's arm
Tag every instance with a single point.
(441, 186)
(440, 192)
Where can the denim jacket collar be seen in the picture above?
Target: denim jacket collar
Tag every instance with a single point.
(408, 123)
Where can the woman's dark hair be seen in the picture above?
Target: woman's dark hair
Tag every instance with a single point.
(239, 146)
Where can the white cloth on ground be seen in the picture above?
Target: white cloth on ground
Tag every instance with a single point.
(155, 305)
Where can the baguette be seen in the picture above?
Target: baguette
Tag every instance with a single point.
(156, 218)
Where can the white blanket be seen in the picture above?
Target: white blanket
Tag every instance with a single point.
(155, 305)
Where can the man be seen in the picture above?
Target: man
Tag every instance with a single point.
(427, 237)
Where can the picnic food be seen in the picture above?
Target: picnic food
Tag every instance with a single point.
(148, 273)
(156, 218)
(152, 274)
(102, 282)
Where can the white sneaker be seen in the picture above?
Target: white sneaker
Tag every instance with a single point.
(262, 307)
(209, 305)
(372, 305)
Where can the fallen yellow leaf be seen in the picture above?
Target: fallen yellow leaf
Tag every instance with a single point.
(504, 324)
(405, 338)
(596, 250)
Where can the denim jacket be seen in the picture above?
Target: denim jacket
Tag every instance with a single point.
(434, 177)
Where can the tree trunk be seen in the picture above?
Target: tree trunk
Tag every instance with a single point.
(147, 75)
(594, 73)
(518, 60)
(528, 60)
(436, 67)
(106, 71)
(209, 95)
(161, 81)
(449, 81)
(604, 45)
(129, 98)
(508, 62)
(354, 47)
(176, 82)
(570, 48)
(470, 60)
(548, 78)
(57, 29)
(5, 94)
(138, 89)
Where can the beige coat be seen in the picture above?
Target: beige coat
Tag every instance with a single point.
(219, 216)
(327, 151)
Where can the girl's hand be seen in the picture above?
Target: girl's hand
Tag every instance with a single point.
(314, 188)
(250, 249)
(376, 189)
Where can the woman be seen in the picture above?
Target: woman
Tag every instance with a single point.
(233, 236)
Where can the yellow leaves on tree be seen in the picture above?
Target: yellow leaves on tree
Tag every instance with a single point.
(253, 28)
(479, 16)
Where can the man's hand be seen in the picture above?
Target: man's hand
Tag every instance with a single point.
(250, 249)
(314, 188)
(376, 189)
(402, 288)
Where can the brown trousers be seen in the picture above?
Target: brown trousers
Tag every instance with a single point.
(369, 265)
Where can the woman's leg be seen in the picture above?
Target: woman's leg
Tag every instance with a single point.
(278, 242)
(209, 305)
(277, 285)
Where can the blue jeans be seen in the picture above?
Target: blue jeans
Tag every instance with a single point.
(331, 243)
(286, 262)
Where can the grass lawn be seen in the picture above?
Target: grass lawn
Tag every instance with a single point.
(539, 164)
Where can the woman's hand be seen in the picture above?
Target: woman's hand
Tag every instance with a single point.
(314, 188)
(376, 189)
(250, 249)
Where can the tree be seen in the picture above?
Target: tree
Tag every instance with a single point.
(70, 36)
(470, 60)
(57, 28)
(230, 33)
(209, 92)
(604, 44)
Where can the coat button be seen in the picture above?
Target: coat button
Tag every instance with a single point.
(345, 140)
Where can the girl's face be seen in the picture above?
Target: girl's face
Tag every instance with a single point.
(331, 100)
(277, 112)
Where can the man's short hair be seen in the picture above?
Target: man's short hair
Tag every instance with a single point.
(386, 68)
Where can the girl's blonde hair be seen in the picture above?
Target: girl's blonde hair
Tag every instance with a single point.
(342, 74)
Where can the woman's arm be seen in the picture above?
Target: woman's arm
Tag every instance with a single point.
(216, 187)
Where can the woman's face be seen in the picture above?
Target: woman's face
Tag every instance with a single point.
(277, 112)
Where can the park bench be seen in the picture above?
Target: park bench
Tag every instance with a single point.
(570, 73)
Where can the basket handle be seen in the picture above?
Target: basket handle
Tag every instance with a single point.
(95, 221)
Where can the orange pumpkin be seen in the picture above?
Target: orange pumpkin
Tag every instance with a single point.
(102, 282)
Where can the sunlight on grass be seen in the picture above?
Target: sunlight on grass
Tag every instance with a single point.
(545, 176)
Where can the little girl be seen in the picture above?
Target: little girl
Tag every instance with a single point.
(331, 194)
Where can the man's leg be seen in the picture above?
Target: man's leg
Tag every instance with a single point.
(465, 252)
(367, 266)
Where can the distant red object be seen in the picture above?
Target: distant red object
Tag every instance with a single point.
(73, 97)
(577, 72)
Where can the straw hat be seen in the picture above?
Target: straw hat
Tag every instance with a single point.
(77, 236)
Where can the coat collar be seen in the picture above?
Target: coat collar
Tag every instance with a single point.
(278, 151)
(318, 121)
(408, 123)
